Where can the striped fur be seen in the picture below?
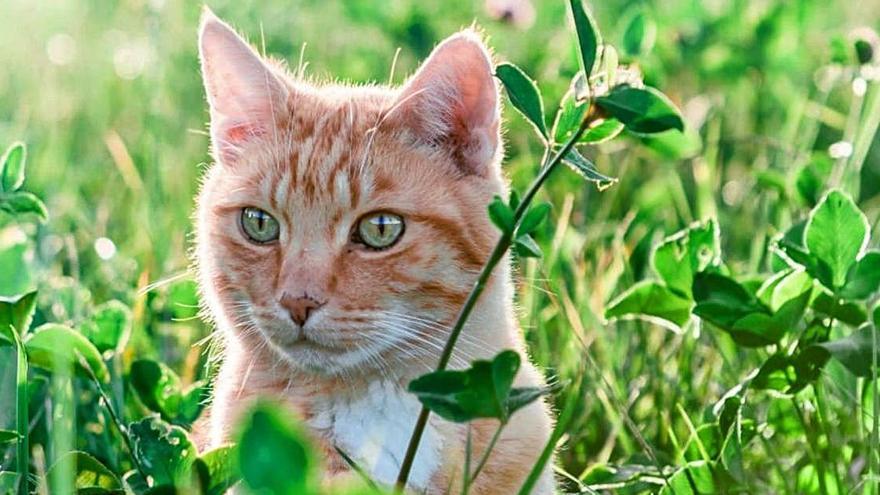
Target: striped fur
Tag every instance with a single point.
(317, 158)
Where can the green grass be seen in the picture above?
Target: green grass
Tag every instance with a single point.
(108, 98)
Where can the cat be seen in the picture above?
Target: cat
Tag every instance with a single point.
(339, 231)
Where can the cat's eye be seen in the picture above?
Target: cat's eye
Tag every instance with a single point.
(379, 230)
(259, 226)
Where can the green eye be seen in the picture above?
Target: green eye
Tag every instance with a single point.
(380, 230)
(259, 226)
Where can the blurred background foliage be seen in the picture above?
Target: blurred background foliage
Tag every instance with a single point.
(108, 97)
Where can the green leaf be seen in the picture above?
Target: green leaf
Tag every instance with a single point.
(165, 452)
(91, 475)
(51, 342)
(216, 470)
(812, 177)
(533, 217)
(695, 478)
(8, 436)
(723, 301)
(587, 34)
(159, 389)
(269, 439)
(652, 301)
(601, 130)
(642, 110)
(816, 268)
(863, 278)
(524, 95)
(673, 144)
(482, 391)
(183, 298)
(855, 350)
(737, 439)
(728, 305)
(585, 168)
(17, 312)
(526, 247)
(501, 215)
(24, 203)
(836, 234)
(8, 482)
(109, 327)
(12, 167)
(685, 253)
(638, 37)
(570, 114)
(847, 312)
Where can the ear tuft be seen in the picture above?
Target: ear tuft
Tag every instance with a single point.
(452, 101)
(244, 93)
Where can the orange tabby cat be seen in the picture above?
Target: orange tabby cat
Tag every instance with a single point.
(339, 232)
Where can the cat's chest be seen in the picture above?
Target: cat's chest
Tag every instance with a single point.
(374, 428)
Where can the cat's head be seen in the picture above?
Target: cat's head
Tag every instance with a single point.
(343, 227)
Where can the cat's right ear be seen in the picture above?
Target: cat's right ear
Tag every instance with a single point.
(245, 94)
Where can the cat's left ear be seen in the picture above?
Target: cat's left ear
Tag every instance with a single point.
(245, 94)
(452, 101)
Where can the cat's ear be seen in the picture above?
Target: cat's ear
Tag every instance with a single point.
(245, 94)
(452, 101)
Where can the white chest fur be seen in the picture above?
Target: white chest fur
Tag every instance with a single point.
(374, 427)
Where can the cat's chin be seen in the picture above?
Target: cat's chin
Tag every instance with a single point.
(309, 356)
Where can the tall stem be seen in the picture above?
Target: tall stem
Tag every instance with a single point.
(21, 414)
(496, 256)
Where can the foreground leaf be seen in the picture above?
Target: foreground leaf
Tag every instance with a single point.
(216, 470)
(847, 312)
(855, 351)
(17, 312)
(638, 37)
(273, 453)
(24, 203)
(585, 168)
(109, 327)
(723, 301)
(863, 278)
(524, 95)
(91, 475)
(587, 35)
(165, 452)
(695, 478)
(651, 300)
(12, 167)
(159, 388)
(8, 436)
(482, 391)
(685, 253)
(642, 110)
(51, 343)
(836, 234)
(501, 215)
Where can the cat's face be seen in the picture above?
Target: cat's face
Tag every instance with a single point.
(343, 227)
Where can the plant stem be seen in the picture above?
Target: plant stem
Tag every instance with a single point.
(123, 430)
(469, 478)
(822, 415)
(561, 424)
(494, 258)
(22, 461)
(814, 447)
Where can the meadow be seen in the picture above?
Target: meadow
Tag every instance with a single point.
(704, 300)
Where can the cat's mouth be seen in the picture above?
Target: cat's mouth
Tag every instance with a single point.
(300, 340)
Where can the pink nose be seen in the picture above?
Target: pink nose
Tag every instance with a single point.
(300, 307)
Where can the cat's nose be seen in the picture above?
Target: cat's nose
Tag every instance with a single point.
(300, 307)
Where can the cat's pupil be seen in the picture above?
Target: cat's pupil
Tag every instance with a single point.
(381, 224)
(261, 221)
